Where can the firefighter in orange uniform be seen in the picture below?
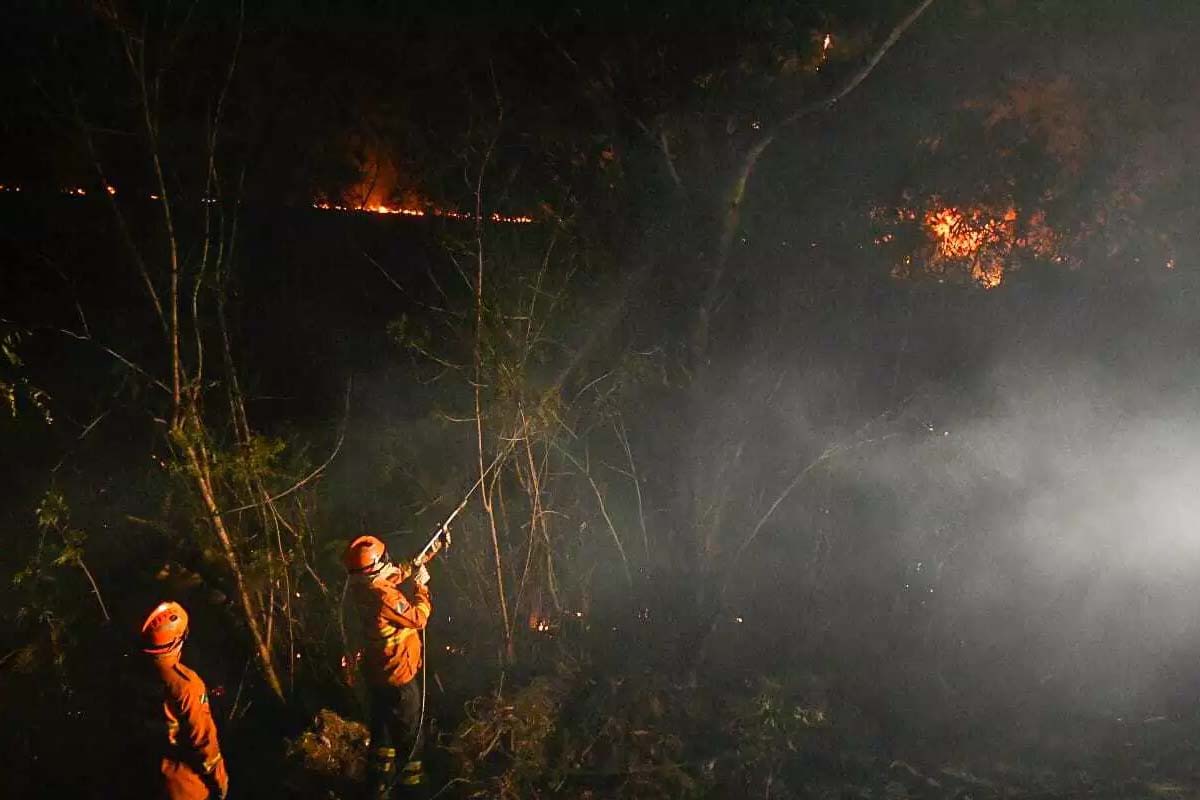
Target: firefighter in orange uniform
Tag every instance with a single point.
(390, 624)
(192, 766)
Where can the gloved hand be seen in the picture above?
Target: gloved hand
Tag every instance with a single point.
(422, 576)
(396, 574)
(441, 543)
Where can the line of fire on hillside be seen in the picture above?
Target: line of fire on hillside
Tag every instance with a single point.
(322, 205)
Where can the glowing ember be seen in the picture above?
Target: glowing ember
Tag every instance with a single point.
(823, 56)
(382, 189)
(380, 208)
(982, 240)
(958, 235)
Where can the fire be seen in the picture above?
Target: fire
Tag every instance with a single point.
(378, 208)
(411, 209)
(984, 240)
(826, 44)
(431, 211)
(959, 235)
(381, 189)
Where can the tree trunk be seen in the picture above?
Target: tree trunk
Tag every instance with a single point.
(198, 467)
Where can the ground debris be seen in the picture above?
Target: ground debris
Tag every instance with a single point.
(645, 737)
(639, 736)
(329, 759)
(501, 748)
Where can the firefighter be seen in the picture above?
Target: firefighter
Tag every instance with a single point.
(390, 623)
(192, 766)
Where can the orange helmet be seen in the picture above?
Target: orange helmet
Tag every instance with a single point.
(165, 629)
(365, 555)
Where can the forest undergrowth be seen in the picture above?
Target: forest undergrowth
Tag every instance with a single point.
(576, 732)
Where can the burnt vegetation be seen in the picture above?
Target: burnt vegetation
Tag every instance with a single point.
(827, 370)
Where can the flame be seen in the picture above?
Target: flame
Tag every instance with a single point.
(962, 235)
(977, 236)
(982, 239)
(823, 56)
(407, 210)
(382, 190)
(430, 211)
(325, 205)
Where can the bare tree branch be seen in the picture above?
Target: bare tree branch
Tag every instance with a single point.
(737, 190)
(300, 484)
(665, 146)
(90, 340)
(586, 471)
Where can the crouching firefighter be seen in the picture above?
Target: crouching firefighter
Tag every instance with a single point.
(192, 767)
(390, 623)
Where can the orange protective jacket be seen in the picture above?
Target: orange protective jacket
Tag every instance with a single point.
(390, 625)
(192, 765)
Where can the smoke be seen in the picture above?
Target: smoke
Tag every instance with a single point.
(1046, 520)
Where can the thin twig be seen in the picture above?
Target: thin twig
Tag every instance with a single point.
(484, 492)
(829, 453)
(95, 588)
(623, 436)
(82, 338)
(666, 151)
(310, 476)
(93, 424)
(603, 508)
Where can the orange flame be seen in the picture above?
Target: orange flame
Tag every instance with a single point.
(381, 190)
(982, 239)
(431, 211)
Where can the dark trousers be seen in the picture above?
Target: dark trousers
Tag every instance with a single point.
(396, 737)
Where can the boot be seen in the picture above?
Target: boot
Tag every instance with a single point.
(381, 773)
(412, 784)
